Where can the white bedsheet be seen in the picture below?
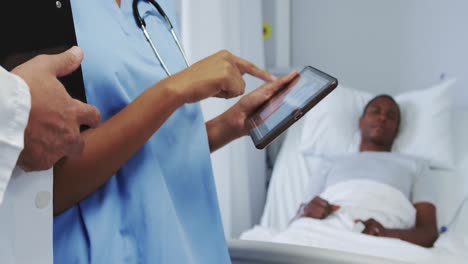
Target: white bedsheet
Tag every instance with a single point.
(365, 199)
(339, 232)
(448, 249)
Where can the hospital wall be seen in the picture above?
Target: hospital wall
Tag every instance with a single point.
(383, 46)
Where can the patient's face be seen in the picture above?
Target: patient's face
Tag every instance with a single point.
(379, 124)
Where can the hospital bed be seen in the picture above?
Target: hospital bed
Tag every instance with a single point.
(288, 188)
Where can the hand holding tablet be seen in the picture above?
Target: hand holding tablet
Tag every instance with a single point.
(289, 104)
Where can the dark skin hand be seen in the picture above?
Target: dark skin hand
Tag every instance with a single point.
(424, 233)
(319, 208)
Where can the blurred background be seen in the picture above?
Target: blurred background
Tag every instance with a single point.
(382, 46)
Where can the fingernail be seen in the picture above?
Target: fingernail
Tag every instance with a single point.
(78, 52)
(273, 77)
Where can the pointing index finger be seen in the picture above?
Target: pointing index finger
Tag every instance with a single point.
(250, 68)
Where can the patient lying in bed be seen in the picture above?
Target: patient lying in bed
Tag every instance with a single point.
(371, 193)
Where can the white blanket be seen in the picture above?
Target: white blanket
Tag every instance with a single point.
(358, 200)
(365, 199)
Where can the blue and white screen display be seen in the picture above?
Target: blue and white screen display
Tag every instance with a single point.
(293, 97)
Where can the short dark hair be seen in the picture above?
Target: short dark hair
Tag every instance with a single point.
(387, 97)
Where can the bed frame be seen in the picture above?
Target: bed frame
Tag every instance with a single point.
(256, 252)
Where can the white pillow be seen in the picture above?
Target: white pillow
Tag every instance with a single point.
(460, 128)
(452, 185)
(332, 127)
(448, 195)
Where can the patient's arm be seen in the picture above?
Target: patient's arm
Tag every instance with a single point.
(423, 234)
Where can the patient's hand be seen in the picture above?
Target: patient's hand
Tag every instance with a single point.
(373, 228)
(319, 208)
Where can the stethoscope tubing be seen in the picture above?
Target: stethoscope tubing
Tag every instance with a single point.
(142, 24)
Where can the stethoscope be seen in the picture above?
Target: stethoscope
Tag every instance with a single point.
(142, 24)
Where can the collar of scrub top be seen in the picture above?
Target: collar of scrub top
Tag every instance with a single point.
(142, 24)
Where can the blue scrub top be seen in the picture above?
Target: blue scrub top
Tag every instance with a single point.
(161, 206)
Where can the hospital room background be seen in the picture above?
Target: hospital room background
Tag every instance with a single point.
(383, 46)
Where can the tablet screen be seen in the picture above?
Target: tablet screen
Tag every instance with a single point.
(306, 87)
(46, 27)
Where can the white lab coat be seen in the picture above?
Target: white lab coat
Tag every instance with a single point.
(25, 198)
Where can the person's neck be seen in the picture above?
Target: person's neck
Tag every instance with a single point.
(371, 146)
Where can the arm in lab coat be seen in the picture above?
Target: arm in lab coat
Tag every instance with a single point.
(15, 104)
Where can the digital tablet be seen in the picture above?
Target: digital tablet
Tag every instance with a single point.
(32, 27)
(289, 104)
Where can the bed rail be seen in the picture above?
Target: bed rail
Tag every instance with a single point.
(256, 252)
